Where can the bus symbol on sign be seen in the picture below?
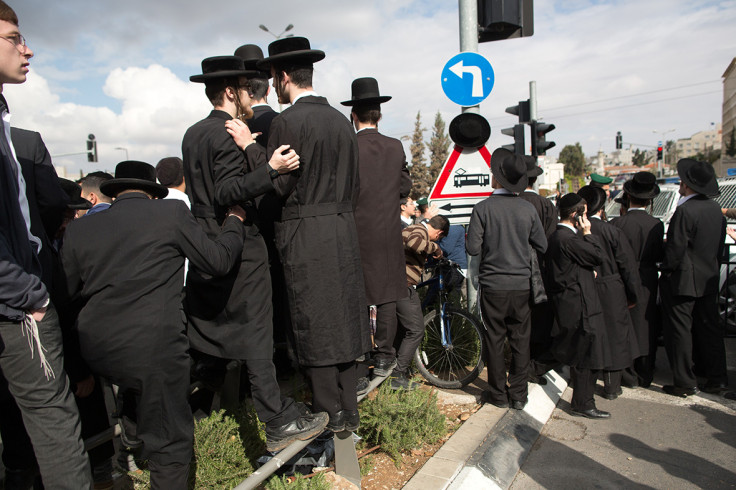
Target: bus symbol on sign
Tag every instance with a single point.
(462, 178)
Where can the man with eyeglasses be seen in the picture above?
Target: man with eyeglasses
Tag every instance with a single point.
(31, 359)
(231, 317)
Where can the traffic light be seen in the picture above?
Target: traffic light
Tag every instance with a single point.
(517, 132)
(91, 148)
(619, 141)
(540, 145)
(659, 152)
(522, 110)
(504, 19)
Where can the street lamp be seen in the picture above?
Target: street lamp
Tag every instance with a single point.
(123, 149)
(288, 28)
(664, 151)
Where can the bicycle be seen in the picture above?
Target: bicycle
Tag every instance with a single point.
(451, 352)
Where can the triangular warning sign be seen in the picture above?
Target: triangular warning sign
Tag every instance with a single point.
(466, 174)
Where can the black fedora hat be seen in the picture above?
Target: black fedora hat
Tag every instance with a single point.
(74, 191)
(594, 196)
(532, 169)
(221, 67)
(251, 55)
(132, 174)
(290, 50)
(365, 91)
(699, 176)
(469, 130)
(509, 170)
(643, 185)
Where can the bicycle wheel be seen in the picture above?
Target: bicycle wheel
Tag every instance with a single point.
(460, 361)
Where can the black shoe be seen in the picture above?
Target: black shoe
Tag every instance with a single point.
(383, 367)
(352, 420)
(363, 385)
(714, 387)
(539, 380)
(518, 404)
(337, 422)
(400, 381)
(485, 397)
(302, 428)
(592, 413)
(681, 392)
(612, 396)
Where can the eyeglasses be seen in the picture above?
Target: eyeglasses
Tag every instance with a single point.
(16, 40)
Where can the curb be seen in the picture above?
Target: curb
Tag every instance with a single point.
(490, 447)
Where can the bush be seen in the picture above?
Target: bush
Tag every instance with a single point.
(401, 420)
(296, 482)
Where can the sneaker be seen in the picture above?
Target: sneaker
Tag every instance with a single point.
(302, 428)
(383, 367)
(363, 384)
(400, 381)
(352, 420)
(337, 422)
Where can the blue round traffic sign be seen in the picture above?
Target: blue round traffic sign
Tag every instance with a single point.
(467, 79)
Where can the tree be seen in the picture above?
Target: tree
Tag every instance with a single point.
(710, 155)
(731, 145)
(439, 148)
(640, 158)
(574, 159)
(670, 153)
(418, 168)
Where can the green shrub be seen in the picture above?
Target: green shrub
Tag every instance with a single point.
(401, 420)
(317, 482)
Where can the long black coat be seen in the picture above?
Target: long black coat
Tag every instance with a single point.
(618, 285)
(384, 180)
(317, 238)
(229, 317)
(579, 333)
(545, 209)
(646, 237)
(261, 123)
(128, 263)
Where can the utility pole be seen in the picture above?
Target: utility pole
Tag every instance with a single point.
(469, 34)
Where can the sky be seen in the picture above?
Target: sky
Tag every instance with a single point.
(120, 70)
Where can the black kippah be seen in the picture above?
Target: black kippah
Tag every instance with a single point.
(569, 200)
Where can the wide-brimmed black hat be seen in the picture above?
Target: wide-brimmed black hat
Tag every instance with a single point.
(532, 169)
(290, 50)
(569, 200)
(74, 191)
(643, 185)
(594, 196)
(251, 55)
(509, 170)
(132, 174)
(222, 67)
(365, 91)
(469, 130)
(699, 176)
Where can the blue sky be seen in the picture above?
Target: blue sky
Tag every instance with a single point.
(120, 69)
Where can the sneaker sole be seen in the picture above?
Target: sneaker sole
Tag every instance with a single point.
(276, 446)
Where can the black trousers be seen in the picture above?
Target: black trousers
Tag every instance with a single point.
(612, 381)
(386, 323)
(272, 410)
(409, 313)
(507, 315)
(692, 328)
(583, 387)
(333, 387)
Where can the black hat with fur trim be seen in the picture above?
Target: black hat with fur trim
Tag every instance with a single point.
(594, 196)
(365, 91)
(509, 170)
(134, 175)
(290, 50)
(699, 176)
(643, 185)
(222, 67)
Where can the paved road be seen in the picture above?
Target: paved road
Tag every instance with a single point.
(653, 440)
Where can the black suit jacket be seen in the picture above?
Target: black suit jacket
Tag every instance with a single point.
(128, 263)
(261, 123)
(545, 209)
(384, 180)
(694, 245)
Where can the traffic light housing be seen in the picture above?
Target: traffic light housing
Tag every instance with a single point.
(619, 141)
(540, 145)
(517, 132)
(523, 110)
(659, 153)
(504, 19)
(91, 148)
